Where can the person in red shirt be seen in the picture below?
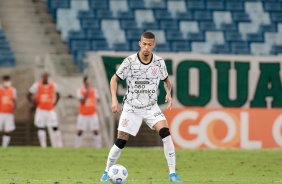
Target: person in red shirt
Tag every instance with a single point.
(8, 96)
(45, 95)
(87, 113)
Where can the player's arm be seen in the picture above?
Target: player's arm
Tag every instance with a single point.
(30, 94)
(14, 99)
(113, 86)
(58, 96)
(168, 86)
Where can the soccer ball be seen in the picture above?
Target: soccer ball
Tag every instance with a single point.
(117, 174)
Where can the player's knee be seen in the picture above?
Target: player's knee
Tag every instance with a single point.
(55, 128)
(41, 129)
(120, 143)
(164, 132)
(7, 133)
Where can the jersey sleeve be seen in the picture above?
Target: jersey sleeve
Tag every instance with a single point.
(163, 71)
(123, 69)
(78, 94)
(14, 93)
(97, 94)
(33, 89)
(56, 88)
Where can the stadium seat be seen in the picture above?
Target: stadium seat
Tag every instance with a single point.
(221, 49)
(260, 48)
(80, 4)
(180, 46)
(196, 36)
(95, 34)
(215, 5)
(195, 4)
(128, 24)
(150, 25)
(188, 27)
(234, 6)
(169, 24)
(201, 47)
(91, 14)
(276, 16)
(99, 45)
(172, 35)
(82, 44)
(253, 7)
(203, 15)
(134, 45)
(233, 37)
(90, 23)
(97, 4)
(134, 34)
(240, 17)
(133, 4)
(175, 7)
(229, 27)
(125, 15)
(222, 17)
(142, 16)
(58, 4)
(76, 35)
(240, 48)
(272, 6)
(162, 48)
(276, 49)
(160, 36)
(155, 4)
(184, 16)
(104, 14)
(207, 26)
(273, 38)
(121, 47)
(254, 37)
(162, 14)
(268, 28)
(118, 6)
(215, 37)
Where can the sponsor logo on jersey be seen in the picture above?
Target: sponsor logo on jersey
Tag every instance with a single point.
(141, 82)
(160, 113)
(144, 91)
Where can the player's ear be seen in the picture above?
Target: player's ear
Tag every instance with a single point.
(140, 44)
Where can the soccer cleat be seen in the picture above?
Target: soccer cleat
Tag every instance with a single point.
(105, 177)
(174, 178)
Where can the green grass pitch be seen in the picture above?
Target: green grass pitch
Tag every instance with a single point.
(23, 165)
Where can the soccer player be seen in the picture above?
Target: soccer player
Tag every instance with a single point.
(142, 72)
(88, 97)
(44, 95)
(8, 95)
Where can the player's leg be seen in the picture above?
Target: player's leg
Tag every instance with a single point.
(115, 152)
(53, 120)
(40, 124)
(129, 123)
(81, 126)
(95, 128)
(9, 127)
(156, 120)
(169, 151)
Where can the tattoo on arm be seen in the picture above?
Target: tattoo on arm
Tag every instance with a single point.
(123, 135)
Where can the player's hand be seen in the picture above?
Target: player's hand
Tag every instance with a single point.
(115, 107)
(168, 99)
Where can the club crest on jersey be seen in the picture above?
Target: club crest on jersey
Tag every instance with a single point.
(154, 71)
(124, 122)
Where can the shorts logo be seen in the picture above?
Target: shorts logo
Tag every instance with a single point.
(124, 122)
(154, 71)
(158, 114)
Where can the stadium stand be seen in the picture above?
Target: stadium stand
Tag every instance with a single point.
(199, 26)
(7, 57)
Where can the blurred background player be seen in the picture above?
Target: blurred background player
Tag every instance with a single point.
(44, 95)
(8, 96)
(88, 97)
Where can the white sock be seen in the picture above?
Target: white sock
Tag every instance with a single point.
(113, 156)
(77, 141)
(42, 138)
(169, 153)
(5, 140)
(97, 140)
(58, 137)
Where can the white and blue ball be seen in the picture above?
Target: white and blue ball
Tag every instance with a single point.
(117, 174)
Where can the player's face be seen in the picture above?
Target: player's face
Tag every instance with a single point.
(86, 83)
(146, 46)
(45, 78)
